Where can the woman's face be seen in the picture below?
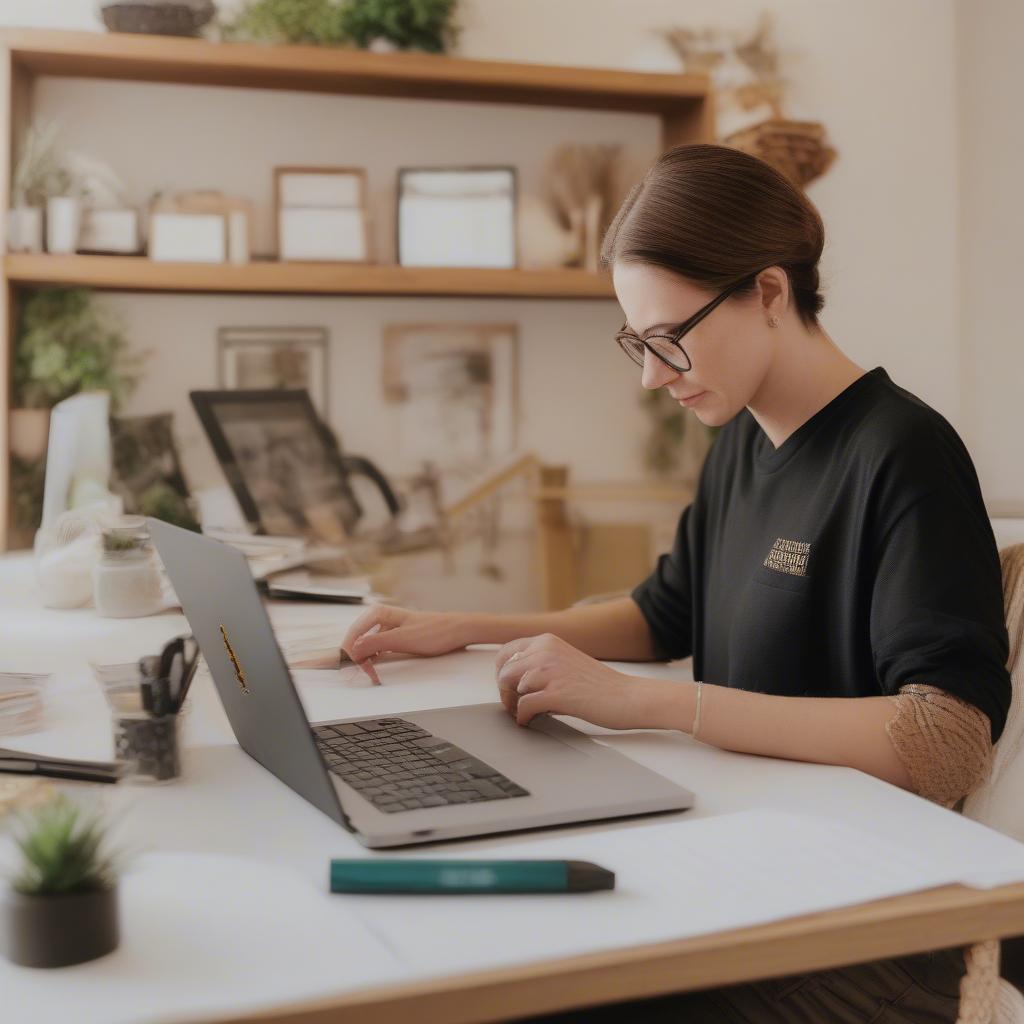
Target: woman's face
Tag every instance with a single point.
(730, 349)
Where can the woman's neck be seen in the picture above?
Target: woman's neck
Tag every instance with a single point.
(808, 371)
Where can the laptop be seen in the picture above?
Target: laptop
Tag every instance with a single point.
(394, 780)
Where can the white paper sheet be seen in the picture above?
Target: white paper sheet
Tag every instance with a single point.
(688, 878)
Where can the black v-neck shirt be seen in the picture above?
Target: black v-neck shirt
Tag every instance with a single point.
(855, 558)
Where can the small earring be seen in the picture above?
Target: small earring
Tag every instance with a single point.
(774, 321)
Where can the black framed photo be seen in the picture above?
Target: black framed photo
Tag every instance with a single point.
(281, 461)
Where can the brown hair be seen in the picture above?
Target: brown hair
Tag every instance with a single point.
(716, 215)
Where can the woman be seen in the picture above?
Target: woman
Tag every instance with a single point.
(836, 579)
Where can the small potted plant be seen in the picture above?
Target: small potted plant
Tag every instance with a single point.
(369, 24)
(384, 25)
(65, 345)
(39, 173)
(61, 908)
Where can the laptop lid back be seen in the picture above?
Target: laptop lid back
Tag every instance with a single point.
(230, 624)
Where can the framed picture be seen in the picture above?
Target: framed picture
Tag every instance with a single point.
(188, 237)
(320, 213)
(267, 358)
(455, 389)
(457, 217)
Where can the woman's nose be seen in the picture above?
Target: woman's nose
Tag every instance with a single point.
(656, 373)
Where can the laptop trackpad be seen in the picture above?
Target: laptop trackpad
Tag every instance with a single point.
(488, 732)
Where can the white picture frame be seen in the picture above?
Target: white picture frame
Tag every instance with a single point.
(320, 214)
(322, 234)
(265, 358)
(457, 217)
(187, 238)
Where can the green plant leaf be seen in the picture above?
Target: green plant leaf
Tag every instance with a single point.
(67, 344)
(62, 852)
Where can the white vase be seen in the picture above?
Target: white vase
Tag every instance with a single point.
(25, 229)
(63, 223)
(30, 429)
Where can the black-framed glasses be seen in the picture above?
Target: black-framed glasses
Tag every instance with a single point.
(667, 347)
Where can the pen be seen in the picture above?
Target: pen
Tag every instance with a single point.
(442, 877)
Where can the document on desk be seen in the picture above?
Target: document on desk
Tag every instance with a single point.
(678, 880)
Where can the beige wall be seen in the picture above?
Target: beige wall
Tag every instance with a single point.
(991, 86)
(879, 73)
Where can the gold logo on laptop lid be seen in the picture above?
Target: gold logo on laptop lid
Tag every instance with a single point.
(239, 673)
(789, 556)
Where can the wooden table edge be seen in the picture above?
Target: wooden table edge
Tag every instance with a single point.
(951, 915)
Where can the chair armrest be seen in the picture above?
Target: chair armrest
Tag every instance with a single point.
(356, 465)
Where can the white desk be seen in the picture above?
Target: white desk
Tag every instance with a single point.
(224, 939)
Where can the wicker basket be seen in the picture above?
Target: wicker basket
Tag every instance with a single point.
(163, 18)
(796, 148)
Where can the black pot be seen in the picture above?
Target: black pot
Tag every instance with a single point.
(55, 931)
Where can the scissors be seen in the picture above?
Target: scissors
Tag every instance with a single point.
(173, 671)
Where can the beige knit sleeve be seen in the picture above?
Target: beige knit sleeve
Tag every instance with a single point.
(944, 743)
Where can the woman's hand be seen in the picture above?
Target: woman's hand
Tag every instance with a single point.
(384, 628)
(546, 674)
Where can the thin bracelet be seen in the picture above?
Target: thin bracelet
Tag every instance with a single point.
(696, 717)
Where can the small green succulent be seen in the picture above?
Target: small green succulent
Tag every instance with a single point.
(63, 852)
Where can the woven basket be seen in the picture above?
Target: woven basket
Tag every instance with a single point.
(796, 148)
(167, 18)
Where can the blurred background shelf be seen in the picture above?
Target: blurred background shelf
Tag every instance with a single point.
(352, 72)
(139, 273)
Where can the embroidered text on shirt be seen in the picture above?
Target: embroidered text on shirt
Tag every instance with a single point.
(789, 556)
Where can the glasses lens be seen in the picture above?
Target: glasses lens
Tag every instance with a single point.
(669, 352)
(632, 347)
(664, 348)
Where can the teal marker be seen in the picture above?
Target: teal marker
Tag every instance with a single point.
(447, 877)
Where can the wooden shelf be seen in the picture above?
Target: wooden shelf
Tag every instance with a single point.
(358, 72)
(137, 273)
(682, 103)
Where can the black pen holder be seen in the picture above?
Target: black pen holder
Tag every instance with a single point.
(150, 745)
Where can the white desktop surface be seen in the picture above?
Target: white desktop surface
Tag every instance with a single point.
(202, 938)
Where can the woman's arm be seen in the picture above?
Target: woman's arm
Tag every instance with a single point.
(923, 739)
(609, 631)
(849, 731)
(546, 674)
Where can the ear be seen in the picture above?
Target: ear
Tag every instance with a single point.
(773, 286)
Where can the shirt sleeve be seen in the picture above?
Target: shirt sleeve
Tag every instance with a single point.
(666, 597)
(937, 604)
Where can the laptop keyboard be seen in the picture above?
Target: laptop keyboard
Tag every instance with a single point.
(398, 766)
